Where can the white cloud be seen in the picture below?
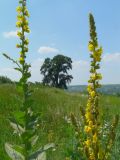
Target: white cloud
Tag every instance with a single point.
(47, 49)
(80, 72)
(10, 34)
(35, 70)
(111, 57)
(10, 73)
(110, 68)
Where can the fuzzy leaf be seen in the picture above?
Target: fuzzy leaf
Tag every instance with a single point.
(12, 153)
(18, 129)
(34, 140)
(40, 151)
(48, 146)
(40, 156)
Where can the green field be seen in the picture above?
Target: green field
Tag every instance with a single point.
(54, 107)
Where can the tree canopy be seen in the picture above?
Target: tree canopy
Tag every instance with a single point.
(55, 71)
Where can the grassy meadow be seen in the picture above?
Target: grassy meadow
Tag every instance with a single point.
(54, 107)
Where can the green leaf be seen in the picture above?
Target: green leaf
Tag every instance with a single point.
(18, 129)
(12, 153)
(18, 149)
(18, 69)
(19, 117)
(40, 153)
(48, 146)
(39, 156)
(34, 140)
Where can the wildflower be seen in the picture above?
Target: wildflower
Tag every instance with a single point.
(19, 9)
(91, 47)
(27, 13)
(99, 76)
(89, 88)
(93, 76)
(88, 116)
(26, 42)
(88, 142)
(19, 33)
(92, 94)
(95, 138)
(87, 129)
(91, 126)
(18, 24)
(21, 60)
(92, 156)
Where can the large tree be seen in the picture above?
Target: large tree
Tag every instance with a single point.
(55, 71)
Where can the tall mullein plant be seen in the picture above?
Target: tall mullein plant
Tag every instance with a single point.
(93, 145)
(24, 122)
(94, 141)
(92, 111)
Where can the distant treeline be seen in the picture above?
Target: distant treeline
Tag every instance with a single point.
(4, 79)
(112, 89)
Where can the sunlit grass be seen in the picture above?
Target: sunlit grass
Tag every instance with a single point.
(54, 106)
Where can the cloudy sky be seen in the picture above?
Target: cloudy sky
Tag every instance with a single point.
(62, 27)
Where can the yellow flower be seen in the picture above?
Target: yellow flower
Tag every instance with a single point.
(99, 76)
(90, 47)
(88, 116)
(18, 24)
(19, 9)
(67, 158)
(18, 45)
(88, 142)
(93, 76)
(90, 123)
(19, 17)
(92, 156)
(26, 42)
(92, 94)
(21, 60)
(87, 129)
(26, 13)
(95, 138)
(100, 51)
(19, 33)
(89, 88)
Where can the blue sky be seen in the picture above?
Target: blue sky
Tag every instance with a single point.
(62, 27)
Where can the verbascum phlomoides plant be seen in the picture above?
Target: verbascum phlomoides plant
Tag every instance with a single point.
(94, 142)
(25, 122)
